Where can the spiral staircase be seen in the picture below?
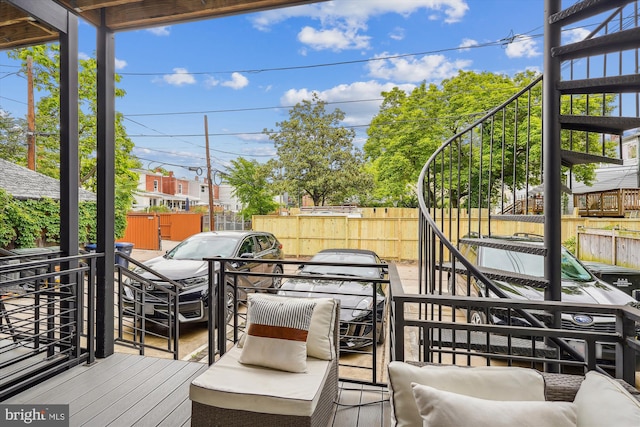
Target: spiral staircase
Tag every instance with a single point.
(470, 185)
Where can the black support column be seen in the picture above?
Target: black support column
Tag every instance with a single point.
(105, 57)
(552, 163)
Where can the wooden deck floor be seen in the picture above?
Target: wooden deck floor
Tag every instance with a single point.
(132, 390)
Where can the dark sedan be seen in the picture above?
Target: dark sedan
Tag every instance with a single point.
(361, 301)
(185, 265)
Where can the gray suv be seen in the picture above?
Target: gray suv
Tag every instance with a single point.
(185, 265)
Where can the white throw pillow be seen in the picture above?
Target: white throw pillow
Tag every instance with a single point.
(489, 382)
(445, 409)
(602, 401)
(277, 335)
(320, 342)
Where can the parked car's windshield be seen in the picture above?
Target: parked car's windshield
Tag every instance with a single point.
(346, 258)
(198, 248)
(533, 265)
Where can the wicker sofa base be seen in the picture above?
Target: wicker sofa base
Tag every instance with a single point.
(210, 416)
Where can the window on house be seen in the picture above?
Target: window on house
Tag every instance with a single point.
(179, 188)
(155, 185)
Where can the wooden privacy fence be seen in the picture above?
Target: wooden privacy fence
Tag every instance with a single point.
(146, 230)
(396, 238)
(616, 247)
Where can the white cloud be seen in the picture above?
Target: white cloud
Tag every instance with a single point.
(238, 81)
(467, 43)
(211, 82)
(575, 35)
(83, 56)
(336, 39)
(160, 31)
(253, 137)
(412, 69)
(341, 23)
(357, 113)
(397, 34)
(522, 46)
(180, 77)
(448, 10)
(120, 64)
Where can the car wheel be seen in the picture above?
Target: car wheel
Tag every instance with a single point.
(477, 318)
(277, 281)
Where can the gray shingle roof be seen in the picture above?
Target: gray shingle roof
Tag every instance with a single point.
(23, 183)
(611, 178)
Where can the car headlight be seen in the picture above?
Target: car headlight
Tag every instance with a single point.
(363, 308)
(195, 281)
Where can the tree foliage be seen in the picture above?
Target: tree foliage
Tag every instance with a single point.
(316, 156)
(12, 138)
(502, 152)
(46, 72)
(30, 223)
(250, 185)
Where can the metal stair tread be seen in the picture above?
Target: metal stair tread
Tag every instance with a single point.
(585, 9)
(518, 218)
(612, 84)
(501, 275)
(571, 158)
(601, 124)
(507, 244)
(609, 43)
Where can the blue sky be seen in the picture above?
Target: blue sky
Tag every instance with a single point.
(244, 72)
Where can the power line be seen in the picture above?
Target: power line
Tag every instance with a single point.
(236, 110)
(500, 42)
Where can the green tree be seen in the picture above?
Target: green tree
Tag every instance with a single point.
(316, 156)
(12, 138)
(249, 180)
(46, 71)
(410, 128)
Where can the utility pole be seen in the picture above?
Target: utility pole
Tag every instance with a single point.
(209, 180)
(31, 119)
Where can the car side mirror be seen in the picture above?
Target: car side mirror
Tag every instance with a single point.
(248, 255)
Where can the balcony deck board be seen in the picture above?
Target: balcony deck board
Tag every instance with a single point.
(133, 390)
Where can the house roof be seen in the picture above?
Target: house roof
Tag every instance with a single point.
(19, 28)
(23, 183)
(610, 178)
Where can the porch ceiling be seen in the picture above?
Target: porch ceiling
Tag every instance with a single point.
(18, 28)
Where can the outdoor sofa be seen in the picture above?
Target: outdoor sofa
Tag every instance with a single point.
(427, 394)
(270, 377)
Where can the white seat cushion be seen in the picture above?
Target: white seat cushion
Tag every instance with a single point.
(603, 401)
(232, 385)
(445, 409)
(489, 382)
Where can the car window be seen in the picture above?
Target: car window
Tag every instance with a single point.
(264, 242)
(346, 258)
(248, 246)
(532, 265)
(204, 247)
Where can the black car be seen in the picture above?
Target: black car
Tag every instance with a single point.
(356, 296)
(579, 285)
(185, 265)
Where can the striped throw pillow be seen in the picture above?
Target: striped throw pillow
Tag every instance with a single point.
(277, 336)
